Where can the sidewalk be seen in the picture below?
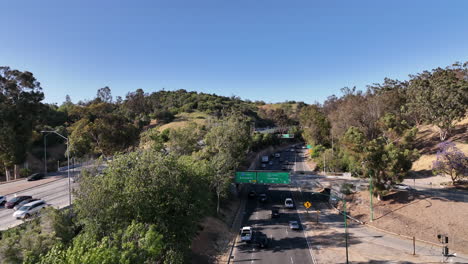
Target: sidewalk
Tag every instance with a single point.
(327, 238)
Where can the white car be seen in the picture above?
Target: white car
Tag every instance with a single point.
(29, 209)
(246, 234)
(2, 200)
(402, 187)
(288, 203)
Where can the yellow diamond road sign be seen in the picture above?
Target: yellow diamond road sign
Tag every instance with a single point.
(307, 205)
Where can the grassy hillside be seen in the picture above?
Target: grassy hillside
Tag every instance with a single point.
(183, 119)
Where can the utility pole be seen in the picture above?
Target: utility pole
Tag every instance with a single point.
(346, 230)
(45, 154)
(68, 163)
(371, 196)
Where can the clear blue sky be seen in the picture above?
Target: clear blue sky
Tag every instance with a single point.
(256, 49)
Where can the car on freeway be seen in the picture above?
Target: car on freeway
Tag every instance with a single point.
(260, 240)
(16, 200)
(2, 199)
(294, 225)
(29, 209)
(400, 186)
(252, 194)
(277, 155)
(289, 203)
(35, 177)
(246, 234)
(18, 206)
(263, 198)
(275, 213)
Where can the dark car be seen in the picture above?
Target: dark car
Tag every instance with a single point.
(35, 177)
(263, 198)
(261, 241)
(16, 200)
(275, 213)
(252, 194)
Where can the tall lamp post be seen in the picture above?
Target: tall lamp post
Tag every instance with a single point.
(371, 192)
(68, 162)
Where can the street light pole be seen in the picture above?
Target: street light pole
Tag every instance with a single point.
(45, 154)
(346, 230)
(371, 196)
(68, 163)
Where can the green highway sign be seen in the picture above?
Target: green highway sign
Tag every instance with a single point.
(246, 177)
(273, 177)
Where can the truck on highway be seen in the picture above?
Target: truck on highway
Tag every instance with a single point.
(264, 159)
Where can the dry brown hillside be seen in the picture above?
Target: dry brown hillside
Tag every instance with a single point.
(428, 139)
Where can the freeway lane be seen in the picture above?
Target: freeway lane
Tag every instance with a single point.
(54, 193)
(286, 246)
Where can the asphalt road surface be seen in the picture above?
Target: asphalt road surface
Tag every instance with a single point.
(54, 193)
(285, 245)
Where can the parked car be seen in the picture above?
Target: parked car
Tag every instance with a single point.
(35, 177)
(29, 209)
(246, 234)
(10, 204)
(294, 225)
(2, 200)
(270, 163)
(262, 198)
(263, 165)
(289, 203)
(18, 206)
(275, 213)
(277, 155)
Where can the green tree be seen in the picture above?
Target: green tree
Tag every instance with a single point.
(185, 140)
(227, 142)
(315, 126)
(101, 130)
(150, 188)
(137, 243)
(440, 96)
(20, 101)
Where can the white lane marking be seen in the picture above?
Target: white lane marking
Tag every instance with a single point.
(292, 261)
(304, 232)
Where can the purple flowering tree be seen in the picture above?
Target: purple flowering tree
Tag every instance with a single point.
(450, 161)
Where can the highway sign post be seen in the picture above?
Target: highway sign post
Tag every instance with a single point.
(273, 177)
(246, 177)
